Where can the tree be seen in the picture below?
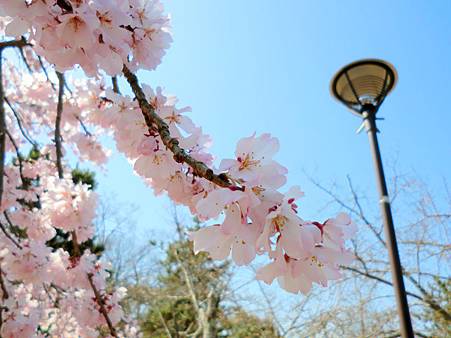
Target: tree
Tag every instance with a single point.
(422, 219)
(64, 291)
(190, 298)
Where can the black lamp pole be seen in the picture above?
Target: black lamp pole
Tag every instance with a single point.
(369, 118)
(363, 86)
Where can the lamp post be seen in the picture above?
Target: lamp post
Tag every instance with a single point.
(362, 86)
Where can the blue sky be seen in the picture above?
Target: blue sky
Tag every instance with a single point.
(265, 66)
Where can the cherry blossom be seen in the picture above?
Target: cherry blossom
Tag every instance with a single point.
(64, 292)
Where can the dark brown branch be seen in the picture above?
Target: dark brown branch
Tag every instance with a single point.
(76, 247)
(59, 112)
(101, 304)
(2, 128)
(155, 122)
(5, 294)
(65, 5)
(59, 145)
(115, 85)
(14, 43)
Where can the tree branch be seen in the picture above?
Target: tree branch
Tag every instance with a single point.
(166, 328)
(59, 112)
(83, 125)
(59, 146)
(358, 212)
(379, 279)
(101, 304)
(115, 85)
(44, 69)
(427, 297)
(2, 227)
(5, 294)
(14, 43)
(19, 123)
(361, 214)
(19, 156)
(2, 128)
(153, 121)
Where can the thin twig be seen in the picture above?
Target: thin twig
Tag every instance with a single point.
(27, 65)
(166, 328)
(268, 303)
(59, 112)
(361, 213)
(2, 128)
(153, 121)
(115, 85)
(379, 279)
(19, 156)
(101, 304)
(87, 132)
(358, 213)
(428, 298)
(44, 69)
(2, 227)
(19, 123)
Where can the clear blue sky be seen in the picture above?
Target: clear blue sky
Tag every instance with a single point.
(265, 66)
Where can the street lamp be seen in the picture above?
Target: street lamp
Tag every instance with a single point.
(362, 86)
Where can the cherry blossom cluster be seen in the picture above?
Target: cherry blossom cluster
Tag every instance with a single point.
(58, 292)
(97, 34)
(257, 218)
(34, 101)
(43, 290)
(46, 291)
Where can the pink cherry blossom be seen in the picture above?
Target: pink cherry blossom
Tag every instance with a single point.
(253, 215)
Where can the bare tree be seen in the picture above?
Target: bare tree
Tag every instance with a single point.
(367, 307)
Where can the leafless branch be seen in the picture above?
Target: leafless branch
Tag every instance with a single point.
(379, 279)
(269, 304)
(361, 213)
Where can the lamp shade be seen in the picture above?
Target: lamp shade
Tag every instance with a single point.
(364, 84)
